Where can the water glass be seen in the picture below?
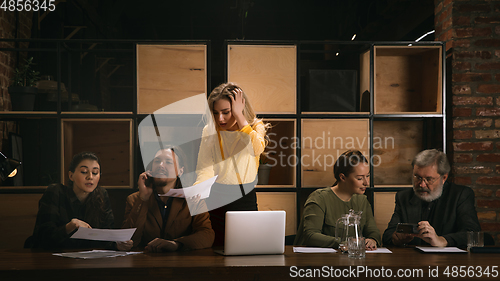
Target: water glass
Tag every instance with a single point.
(475, 239)
(356, 247)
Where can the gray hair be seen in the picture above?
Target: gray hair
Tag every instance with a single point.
(431, 157)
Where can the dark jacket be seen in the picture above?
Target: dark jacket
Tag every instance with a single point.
(58, 206)
(194, 232)
(453, 216)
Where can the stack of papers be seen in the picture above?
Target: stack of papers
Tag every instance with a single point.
(313, 250)
(330, 250)
(96, 254)
(440, 249)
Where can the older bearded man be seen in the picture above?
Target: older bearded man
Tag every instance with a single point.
(443, 211)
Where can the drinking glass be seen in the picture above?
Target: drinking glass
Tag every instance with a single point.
(356, 247)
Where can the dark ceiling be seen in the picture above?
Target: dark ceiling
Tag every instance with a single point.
(371, 20)
(219, 20)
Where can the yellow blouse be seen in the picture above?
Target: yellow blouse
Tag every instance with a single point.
(232, 155)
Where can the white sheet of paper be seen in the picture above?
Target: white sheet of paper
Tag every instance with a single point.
(313, 250)
(380, 251)
(95, 254)
(179, 193)
(104, 234)
(203, 189)
(441, 249)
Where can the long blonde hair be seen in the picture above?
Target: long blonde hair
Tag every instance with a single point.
(224, 91)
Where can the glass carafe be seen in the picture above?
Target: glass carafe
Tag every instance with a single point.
(347, 226)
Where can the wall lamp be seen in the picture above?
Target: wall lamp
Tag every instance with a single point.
(8, 167)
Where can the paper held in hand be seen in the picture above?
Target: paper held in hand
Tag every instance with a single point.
(104, 234)
(203, 189)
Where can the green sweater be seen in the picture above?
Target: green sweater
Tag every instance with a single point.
(321, 211)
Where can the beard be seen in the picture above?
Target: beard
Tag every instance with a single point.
(426, 194)
(160, 182)
(160, 178)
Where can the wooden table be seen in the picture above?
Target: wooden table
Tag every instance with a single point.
(402, 264)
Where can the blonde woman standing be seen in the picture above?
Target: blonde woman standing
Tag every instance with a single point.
(231, 150)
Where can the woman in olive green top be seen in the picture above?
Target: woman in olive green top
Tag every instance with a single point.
(325, 206)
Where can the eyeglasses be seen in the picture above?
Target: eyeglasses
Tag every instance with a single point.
(428, 180)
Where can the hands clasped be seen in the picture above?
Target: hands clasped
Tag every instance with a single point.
(161, 245)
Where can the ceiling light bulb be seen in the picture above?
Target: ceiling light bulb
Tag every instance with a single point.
(354, 36)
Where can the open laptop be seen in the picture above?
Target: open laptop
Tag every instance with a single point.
(254, 233)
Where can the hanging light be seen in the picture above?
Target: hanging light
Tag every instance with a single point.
(8, 167)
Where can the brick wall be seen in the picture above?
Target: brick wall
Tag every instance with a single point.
(471, 30)
(8, 30)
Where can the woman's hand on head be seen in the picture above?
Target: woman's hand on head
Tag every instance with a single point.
(237, 106)
(144, 191)
(74, 224)
(237, 102)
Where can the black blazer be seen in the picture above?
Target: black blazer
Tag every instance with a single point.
(454, 214)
